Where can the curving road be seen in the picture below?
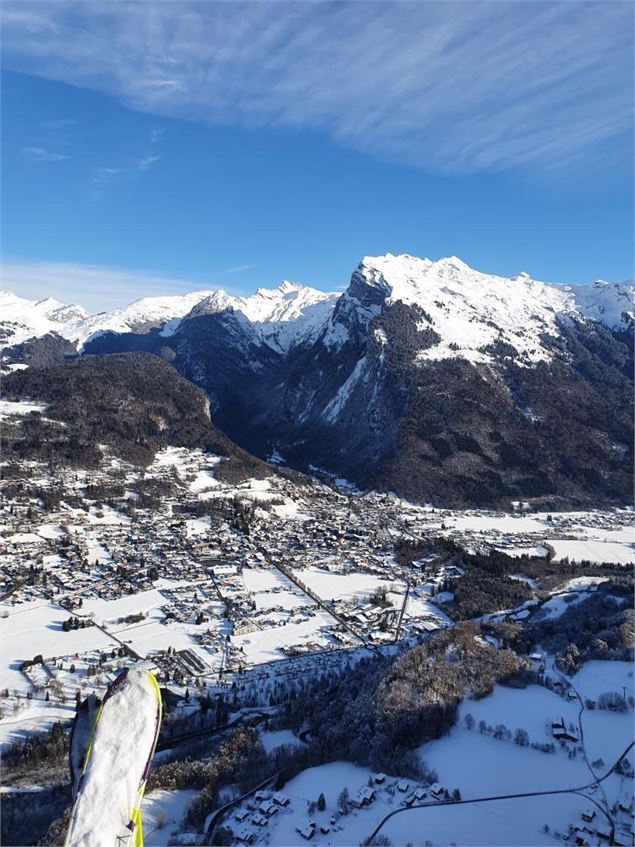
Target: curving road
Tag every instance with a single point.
(435, 803)
(605, 808)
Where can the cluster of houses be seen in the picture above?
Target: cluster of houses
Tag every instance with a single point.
(69, 551)
(249, 820)
(595, 830)
(256, 813)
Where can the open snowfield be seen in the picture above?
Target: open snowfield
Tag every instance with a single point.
(104, 516)
(197, 526)
(264, 645)
(32, 716)
(152, 633)
(49, 530)
(571, 593)
(497, 823)
(163, 812)
(532, 708)
(96, 552)
(513, 524)
(334, 586)
(502, 822)
(594, 551)
(579, 536)
(271, 589)
(271, 740)
(109, 611)
(25, 538)
(8, 408)
(36, 628)
(419, 607)
(536, 550)
(480, 766)
(596, 677)
(203, 481)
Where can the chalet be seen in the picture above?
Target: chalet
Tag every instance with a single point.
(403, 786)
(262, 795)
(379, 778)
(247, 836)
(437, 791)
(268, 808)
(588, 815)
(306, 831)
(241, 815)
(224, 570)
(559, 731)
(324, 829)
(420, 794)
(603, 831)
(364, 797)
(280, 799)
(259, 820)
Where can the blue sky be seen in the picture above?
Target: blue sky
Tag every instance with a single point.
(153, 148)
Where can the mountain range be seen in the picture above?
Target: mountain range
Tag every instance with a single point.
(427, 378)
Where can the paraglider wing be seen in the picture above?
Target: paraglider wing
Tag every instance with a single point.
(107, 809)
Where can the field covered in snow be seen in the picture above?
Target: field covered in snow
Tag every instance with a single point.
(579, 536)
(483, 762)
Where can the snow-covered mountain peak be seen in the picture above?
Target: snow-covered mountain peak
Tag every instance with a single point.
(287, 315)
(66, 314)
(279, 317)
(475, 313)
(608, 303)
(48, 304)
(24, 319)
(212, 303)
(288, 287)
(140, 316)
(285, 289)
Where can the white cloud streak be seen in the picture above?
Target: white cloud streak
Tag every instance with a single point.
(96, 287)
(237, 269)
(447, 86)
(105, 174)
(147, 162)
(39, 154)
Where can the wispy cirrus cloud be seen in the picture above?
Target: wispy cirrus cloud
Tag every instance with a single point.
(105, 174)
(448, 86)
(60, 123)
(95, 287)
(146, 162)
(40, 154)
(237, 269)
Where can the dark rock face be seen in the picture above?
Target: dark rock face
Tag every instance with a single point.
(358, 402)
(48, 349)
(135, 403)
(552, 432)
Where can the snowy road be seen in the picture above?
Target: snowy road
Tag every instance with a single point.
(435, 804)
